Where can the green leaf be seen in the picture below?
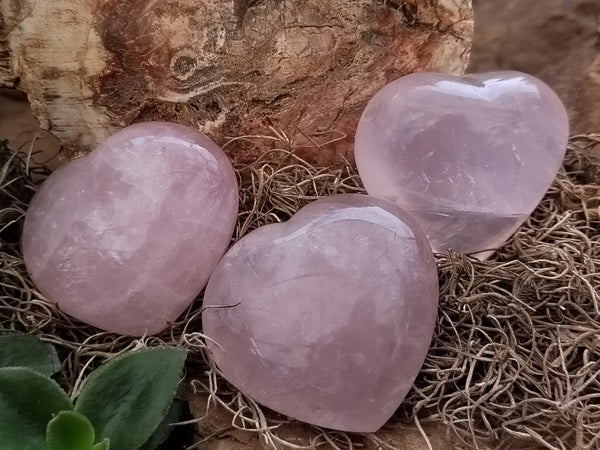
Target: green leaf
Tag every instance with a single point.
(128, 397)
(104, 445)
(28, 401)
(165, 428)
(22, 350)
(69, 430)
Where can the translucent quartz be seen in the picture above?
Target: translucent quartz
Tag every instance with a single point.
(127, 236)
(468, 157)
(330, 315)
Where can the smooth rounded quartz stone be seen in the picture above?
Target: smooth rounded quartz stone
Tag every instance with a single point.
(468, 157)
(127, 236)
(328, 317)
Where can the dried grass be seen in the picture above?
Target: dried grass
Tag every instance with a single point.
(516, 357)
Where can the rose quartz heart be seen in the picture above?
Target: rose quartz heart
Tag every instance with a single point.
(127, 236)
(329, 316)
(468, 157)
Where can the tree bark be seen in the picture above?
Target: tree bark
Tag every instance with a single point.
(228, 67)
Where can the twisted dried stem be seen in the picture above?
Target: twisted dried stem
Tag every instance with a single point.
(515, 361)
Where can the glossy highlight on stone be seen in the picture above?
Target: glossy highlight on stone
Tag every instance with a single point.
(468, 157)
(126, 237)
(326, 318)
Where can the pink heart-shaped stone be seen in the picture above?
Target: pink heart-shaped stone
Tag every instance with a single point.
(468, 157)
(326, 318)
(126, 237)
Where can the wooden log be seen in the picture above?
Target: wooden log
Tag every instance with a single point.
(227, 67)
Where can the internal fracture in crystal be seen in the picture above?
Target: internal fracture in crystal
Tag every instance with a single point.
(127, 236)
(468, 157)
(328, 317)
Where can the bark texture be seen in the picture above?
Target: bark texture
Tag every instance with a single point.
(225, 66)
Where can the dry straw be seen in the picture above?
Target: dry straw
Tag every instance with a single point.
(515, 362)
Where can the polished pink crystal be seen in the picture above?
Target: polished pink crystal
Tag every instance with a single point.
(468, 157)
(326, 318)
(127, 236)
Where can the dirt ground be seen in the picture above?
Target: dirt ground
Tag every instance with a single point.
(217, 425)
(19, 126)
(554, 40)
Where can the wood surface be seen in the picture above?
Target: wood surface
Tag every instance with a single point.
(227, 67)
